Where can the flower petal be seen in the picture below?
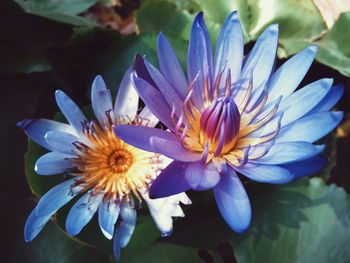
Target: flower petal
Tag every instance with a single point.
(57, 197)
(35, 224)
(199, 59)
(101, 100)
(37, 128)
(173, 149)
(288, 152)
(330, 99)
(170, 181)
(127, 101)
(233, 202)
(229, 48)
(170, 66)
(304, 100)
(154, 100)
(149, 117)
(140, 136)
(266, 173)
(82, 212)
(126, 228)
(61, 141)
(306, 167)
(287, 78)
(108, 213)
(311, 127)
(202, 177)
(70, 110)
(53, 163)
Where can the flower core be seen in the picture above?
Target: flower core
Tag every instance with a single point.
(107, 164)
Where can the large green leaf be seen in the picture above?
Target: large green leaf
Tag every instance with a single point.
(304, 221)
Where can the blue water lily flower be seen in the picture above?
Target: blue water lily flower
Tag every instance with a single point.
(232, 114)
(107, 170)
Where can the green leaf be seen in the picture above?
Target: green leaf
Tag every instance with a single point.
(52, 246)
(64, 11)
(303, 221)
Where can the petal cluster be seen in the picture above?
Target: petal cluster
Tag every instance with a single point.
(232, 114)
(104, 171)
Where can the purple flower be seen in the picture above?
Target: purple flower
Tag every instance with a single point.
(232, 114)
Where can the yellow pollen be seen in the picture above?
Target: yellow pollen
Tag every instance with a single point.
(112, 166)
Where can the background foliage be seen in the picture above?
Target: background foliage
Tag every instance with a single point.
(62, 44)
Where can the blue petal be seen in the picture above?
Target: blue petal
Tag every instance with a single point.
(101, 101)
(82, 212)
(126, 228)
(306, 167)
(199, 59)
(330, 99)
(37, 128)
(57, 197)
(266, 173)
(262, 57)
(107, 217)
(70, 110)
(53, 163)
(170, 181)
(34, 225)
(287, 78)
(169, 93)
(229, 48)
(61, 141)
(233, 202)
(140, 136)
(311, 127)
(154, 100)
(202, 177)
(127, 100)
(303, 100)
(288, 152)
(170, 66)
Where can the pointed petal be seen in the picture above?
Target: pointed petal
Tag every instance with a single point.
(154, 100)
(202, 177)
(126, 228)
(57, 197)
(37, 128)
(34, 225)
(101, 100)
(70, 110)
(127, 101)
(61, 141)
(199, 59)
(287, 78)
(233, 202)
(288, 152)
(170, 66)
(330, 99)
(170, 181)
(306, 167)
(304, 100)
(311, 127)
(108, 213)
(53, 163)
(266, 173)
(82, 212)
(229, 48)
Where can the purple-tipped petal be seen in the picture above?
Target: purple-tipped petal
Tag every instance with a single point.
(229, 48)
(233, 202)
(140, 136)
(154, 100)
(170, 66)
(174, 150)
(37, 128)
(101, 101)
(127, 100)
(202, 177)
(170, 181)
